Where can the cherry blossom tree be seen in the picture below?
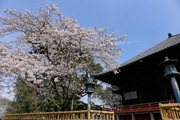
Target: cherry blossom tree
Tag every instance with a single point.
(52, 50)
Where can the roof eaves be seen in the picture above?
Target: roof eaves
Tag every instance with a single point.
(175, 39)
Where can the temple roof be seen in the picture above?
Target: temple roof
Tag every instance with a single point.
(169, 42)
(143, 74)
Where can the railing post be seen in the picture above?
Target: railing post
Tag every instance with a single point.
(149, 106)
(152, 116)
(58, 116)
(89, 115)
(130, 107)
(117, 116)
(92, 116)
(113, 116)
(132, 116)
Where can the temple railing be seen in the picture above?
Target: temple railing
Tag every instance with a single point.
(138, 107)
(64, 115)
(170, 111)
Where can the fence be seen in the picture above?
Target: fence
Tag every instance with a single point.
(65, 115)
(139, 107)
(170, 111)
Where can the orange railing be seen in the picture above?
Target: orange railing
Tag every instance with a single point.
(63, 115)
(138, 107)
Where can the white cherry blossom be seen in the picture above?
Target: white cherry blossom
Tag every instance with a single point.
(52, 46)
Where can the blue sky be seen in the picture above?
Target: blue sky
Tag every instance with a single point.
(146, 22)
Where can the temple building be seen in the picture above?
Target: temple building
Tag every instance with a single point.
(141, 82)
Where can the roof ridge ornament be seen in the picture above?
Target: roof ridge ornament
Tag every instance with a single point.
(170, 35)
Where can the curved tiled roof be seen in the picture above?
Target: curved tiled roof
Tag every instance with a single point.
(174, 40)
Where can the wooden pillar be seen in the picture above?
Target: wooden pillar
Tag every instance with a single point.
(132, 116)
(152, 116)
(117, 117)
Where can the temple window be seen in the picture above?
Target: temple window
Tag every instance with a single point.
(130, 95)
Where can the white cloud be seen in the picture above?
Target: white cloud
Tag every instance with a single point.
(125, 42)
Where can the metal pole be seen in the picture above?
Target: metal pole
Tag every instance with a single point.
(72, 98)
(132, 116)
(175, 89)
(89, 101)
(152, 116)
(72, 104)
